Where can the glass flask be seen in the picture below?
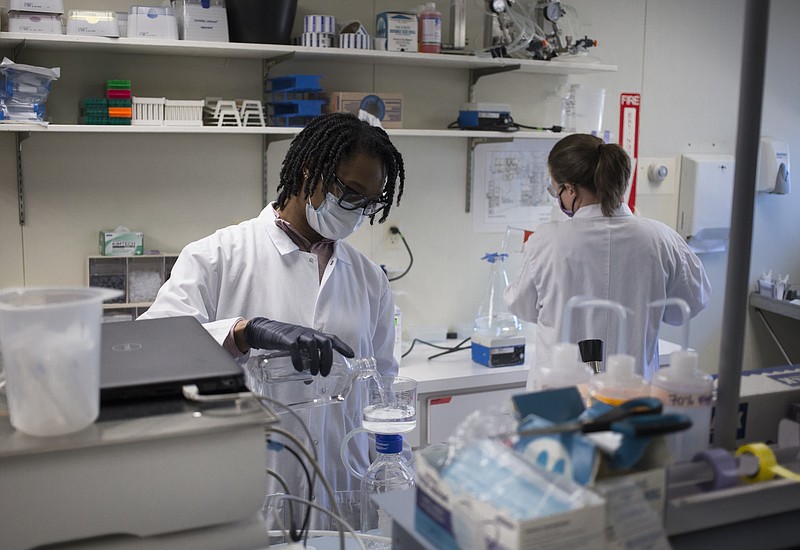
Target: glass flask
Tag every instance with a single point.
(493, 319)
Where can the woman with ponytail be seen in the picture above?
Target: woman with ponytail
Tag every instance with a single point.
(605, 251)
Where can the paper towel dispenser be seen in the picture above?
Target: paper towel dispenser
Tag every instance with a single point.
(773, 167)
(705, 200)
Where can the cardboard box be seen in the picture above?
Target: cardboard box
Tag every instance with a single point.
(121, 243)
(387, 107)
(396, 31)
(443, 516)
(766, 396)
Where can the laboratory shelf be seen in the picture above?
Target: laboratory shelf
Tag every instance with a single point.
(278, 52)
(257, 130)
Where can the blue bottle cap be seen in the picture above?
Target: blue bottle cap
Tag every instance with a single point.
(389, 443)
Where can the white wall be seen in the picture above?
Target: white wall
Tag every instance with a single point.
(683, 56)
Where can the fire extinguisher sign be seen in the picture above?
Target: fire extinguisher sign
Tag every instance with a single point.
(629, 136)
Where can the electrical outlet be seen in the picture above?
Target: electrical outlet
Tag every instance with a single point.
(392, 240)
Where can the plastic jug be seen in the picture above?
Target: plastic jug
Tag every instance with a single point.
(50, 341)
(388, 472)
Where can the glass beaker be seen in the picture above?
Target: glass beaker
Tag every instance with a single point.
(50, 341)
(391, 406)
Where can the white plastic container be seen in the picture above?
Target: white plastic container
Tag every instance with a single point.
(50, 339)
(39, 23)
(40, 6)
(152, 22)
(684, 389)
(566, 371)
(93, 23)
(199, 21)
(619, 382)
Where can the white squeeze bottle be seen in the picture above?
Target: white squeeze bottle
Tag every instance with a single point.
(567, 370)
(619, 382)
(683, 388)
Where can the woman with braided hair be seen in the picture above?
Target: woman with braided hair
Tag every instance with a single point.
(604, 251)
(287, 280)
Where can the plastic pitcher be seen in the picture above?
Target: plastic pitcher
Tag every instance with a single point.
(50, 341)
(589, 103)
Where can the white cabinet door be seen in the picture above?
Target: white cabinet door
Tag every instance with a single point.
(446, 412)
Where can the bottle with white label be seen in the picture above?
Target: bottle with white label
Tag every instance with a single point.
(683, 388)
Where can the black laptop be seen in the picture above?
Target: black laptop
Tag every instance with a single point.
(154, 359)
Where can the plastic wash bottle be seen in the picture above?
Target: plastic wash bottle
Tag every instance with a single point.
(567, 370)
(619, 383)
(683, 388)
(388, 472)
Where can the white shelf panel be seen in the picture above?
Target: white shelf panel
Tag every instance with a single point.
(272, 51)
(267, 131)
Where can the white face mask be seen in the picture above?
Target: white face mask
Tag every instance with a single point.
(331, 220)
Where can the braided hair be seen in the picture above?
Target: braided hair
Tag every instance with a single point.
(324, 143)
(585, 160)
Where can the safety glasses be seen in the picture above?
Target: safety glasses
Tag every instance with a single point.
(555, 193)
(350, 199)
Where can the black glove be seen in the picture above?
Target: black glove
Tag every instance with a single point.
(301, 342)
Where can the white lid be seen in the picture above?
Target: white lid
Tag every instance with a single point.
(621, 366)
(565, 355)
(683, 361)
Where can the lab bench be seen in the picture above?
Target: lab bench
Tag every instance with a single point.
(452, 386)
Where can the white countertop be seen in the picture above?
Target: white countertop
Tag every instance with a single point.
(456, 371)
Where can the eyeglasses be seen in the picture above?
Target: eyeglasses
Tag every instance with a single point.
(351, 199)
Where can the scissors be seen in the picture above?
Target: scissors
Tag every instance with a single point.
(636, 417)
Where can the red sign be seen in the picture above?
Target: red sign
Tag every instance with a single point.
(629, 135)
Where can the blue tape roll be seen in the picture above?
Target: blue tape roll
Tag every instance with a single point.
(724, 466)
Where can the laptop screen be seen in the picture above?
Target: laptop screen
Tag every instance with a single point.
(155, 358)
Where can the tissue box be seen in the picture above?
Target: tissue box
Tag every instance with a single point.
(396, 32)
(387, 107)
(121, 243)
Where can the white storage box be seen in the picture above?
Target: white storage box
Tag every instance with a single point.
(196, 22)
(187, 112)
(92, 23)
(148, 111)
(396, 32)
(41, 6)
(152, 22)
(35, 23)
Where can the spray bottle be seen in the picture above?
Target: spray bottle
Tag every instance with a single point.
(619, 382)
(566, 368)
(683, 388)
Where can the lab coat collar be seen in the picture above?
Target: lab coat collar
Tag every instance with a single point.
(592, 211)
(285, 245)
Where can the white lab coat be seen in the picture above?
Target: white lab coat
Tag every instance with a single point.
(623, 258)
(254, 269)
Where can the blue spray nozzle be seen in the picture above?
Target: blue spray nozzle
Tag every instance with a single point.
(683, 307)
(492, 257)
